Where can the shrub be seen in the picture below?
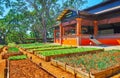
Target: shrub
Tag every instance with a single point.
(13, 44)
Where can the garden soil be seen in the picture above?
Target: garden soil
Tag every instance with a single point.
(26, 69)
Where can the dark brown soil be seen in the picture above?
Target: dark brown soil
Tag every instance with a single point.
(26, 69)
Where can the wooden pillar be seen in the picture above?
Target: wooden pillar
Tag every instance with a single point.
(78, 31)
(78, 27)
(61, 33)
(95, 28)
(54, 36)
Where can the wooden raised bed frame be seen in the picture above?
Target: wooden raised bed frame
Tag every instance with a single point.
(102, 74)
(7, 55)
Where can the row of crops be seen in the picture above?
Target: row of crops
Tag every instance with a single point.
(37, 45)
(52, 48)
(18, 57)
(13, 49)
(65, 51)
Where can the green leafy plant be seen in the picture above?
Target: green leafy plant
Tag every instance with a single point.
(53, 48)
(19, 57)
(13, 44)
(65, 51)
(13, 49)
(37, 45)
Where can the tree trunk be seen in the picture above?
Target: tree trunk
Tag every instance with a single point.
(44, 30)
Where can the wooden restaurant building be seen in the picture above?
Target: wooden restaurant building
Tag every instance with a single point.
(97, 25)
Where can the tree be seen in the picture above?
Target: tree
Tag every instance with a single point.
(75, 4)
(35, 16)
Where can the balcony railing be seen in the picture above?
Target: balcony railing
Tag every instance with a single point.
(109, 36)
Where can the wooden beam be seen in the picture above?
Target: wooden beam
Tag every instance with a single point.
(109, 20)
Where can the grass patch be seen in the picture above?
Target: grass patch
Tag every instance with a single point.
(35, 45)
(13, 49)
(30, 45)
(1, 46)
(53, 48)
(13, 44)
(65, 51)
(19, 57)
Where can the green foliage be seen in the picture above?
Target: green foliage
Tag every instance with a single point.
(34, 16)
(37, 45)
(53, 47)
(102, 65)
(1, 46)
(13, 44)
(19, 57)
(32, 45)
(66, 51)
(13, 49)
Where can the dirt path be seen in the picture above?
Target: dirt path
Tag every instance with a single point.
(2, 62)
(27, 69)
(116, 76)
(2, 67)
(59, 73)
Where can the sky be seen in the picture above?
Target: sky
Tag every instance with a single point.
(89, 4)
(92, 3)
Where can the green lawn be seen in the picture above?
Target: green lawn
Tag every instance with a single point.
(65, 51)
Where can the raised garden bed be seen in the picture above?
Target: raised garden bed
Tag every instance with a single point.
(27, 69)
(47, 55)
(13, 49)
(100, 65)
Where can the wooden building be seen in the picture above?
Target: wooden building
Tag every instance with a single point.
(97, 25)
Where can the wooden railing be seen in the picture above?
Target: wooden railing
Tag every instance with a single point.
(69, 36)
(109, 36)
